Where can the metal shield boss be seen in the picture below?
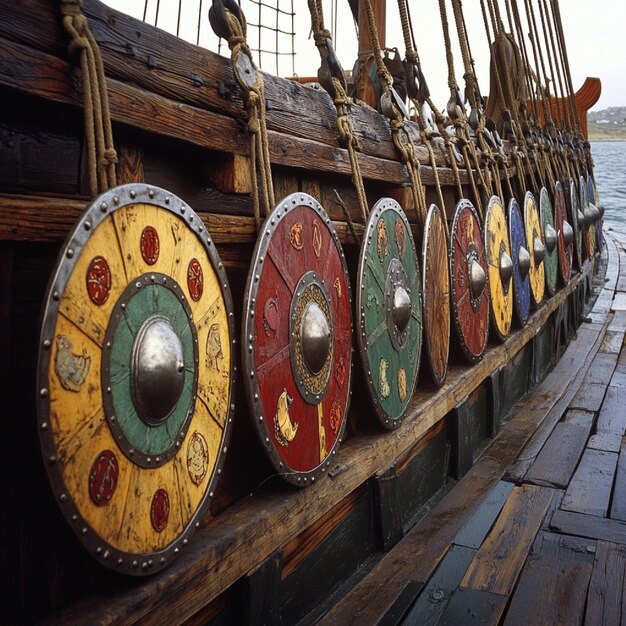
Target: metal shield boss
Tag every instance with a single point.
(590, 214)
(136, 377)
(436, 290)
(470, 281)
(577, 220)
(389, 311)
(550, 238)
(564, 233)
(521, 262)
(297, 339)
(500, 262)
(536, 248)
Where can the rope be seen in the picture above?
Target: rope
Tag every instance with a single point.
(230, 24)
(332, 79)
(101, 154)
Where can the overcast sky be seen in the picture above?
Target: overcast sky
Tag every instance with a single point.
(594, 32)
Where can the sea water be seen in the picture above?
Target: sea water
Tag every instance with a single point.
(610, 172)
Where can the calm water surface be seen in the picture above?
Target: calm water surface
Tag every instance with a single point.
(610, 169)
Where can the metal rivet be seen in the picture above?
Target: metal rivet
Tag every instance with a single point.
(70, 253)
(44, 426)
(116, 199)
(43, 392)
(63, 497)
(151, 193)
(87, 225)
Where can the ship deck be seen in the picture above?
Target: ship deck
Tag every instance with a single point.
(534, 532)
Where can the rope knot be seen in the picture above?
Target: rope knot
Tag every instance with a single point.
(109, 157)
(71, 7)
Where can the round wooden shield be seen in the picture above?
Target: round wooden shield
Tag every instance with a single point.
(550, 237)
(536, 248)
(389, 312)
(564, 233)
(436, 288)
(521, 262)
(470, 281)
(593, 197)
(498, 251)
(589, 230)
(135, 377)
(576, 219)
(297, 339)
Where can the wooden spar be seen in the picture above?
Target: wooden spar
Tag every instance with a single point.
(365, 89)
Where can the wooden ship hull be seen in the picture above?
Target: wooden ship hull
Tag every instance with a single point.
(264, 552)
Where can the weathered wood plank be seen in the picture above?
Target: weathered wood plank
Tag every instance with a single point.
(601, 368)
(606, 589)
(618, 501)
(592, 526)
(564, 547)
(499, 560)
(612, 417)
(550, 591)
(579, 417)
(436, 593)
(613, 342)
(479, 525)
(394, 615)
(468, 606)
(589, 491)
(609, 442)
(589, 397)
(558, 458)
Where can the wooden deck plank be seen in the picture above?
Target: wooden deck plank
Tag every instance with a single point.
(589, 396)
(436, 594)
(468, 606)
(613, 342)
(606, 590)
(475, 531)
(618, 379)
(601, 368)
(619, 321)
(619, 302)
(579, 417)
(609, 442)
(591, 526)
(558, 458)
(618, 504)
(589, 491)
(612, 417)
(550, 591)
(564, 547)
(497, 563)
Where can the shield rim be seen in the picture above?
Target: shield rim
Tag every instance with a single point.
(462, 204)
(432, 210)
(381, 206)
(578, 247)
(530, 201)
(135, 564)
(547, 217)
(492, 201)
(294, 477)
(513, 205)
(558, 189)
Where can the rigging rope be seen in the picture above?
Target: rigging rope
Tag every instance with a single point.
(101, 154)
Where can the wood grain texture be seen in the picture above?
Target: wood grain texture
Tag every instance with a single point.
(605, 598)
(468, 606)
(550, 591)
(592, 526)
(499, 560)
(612, 417)
(618, 501)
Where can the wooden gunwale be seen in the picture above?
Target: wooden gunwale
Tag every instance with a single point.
(251, 530)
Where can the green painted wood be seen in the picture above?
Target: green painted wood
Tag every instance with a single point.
(543, 353)
(436, 594)
(402, 491)
(516, 378)
(494, 385)
(468, 606)
(550, 591)
(260, 592)
(481, 522)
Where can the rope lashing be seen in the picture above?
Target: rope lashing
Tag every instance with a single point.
(101, 154)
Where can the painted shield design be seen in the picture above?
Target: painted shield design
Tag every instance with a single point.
(576, 219)
(498, 251)
(564, 233)
(470, 281)
(589, 229)
(389, 315)
(592, 193)
(436, 289)
(521, 262)
(297, 346)
(136, 377)
(536, 248)
(550, 240)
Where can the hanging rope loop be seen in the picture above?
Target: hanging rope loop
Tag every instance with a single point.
(101, 154)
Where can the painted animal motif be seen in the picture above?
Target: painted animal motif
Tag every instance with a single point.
(382, 240)
(71, 369)
(322, 432)
(214, 354)
(383, 383)
(284, 429)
